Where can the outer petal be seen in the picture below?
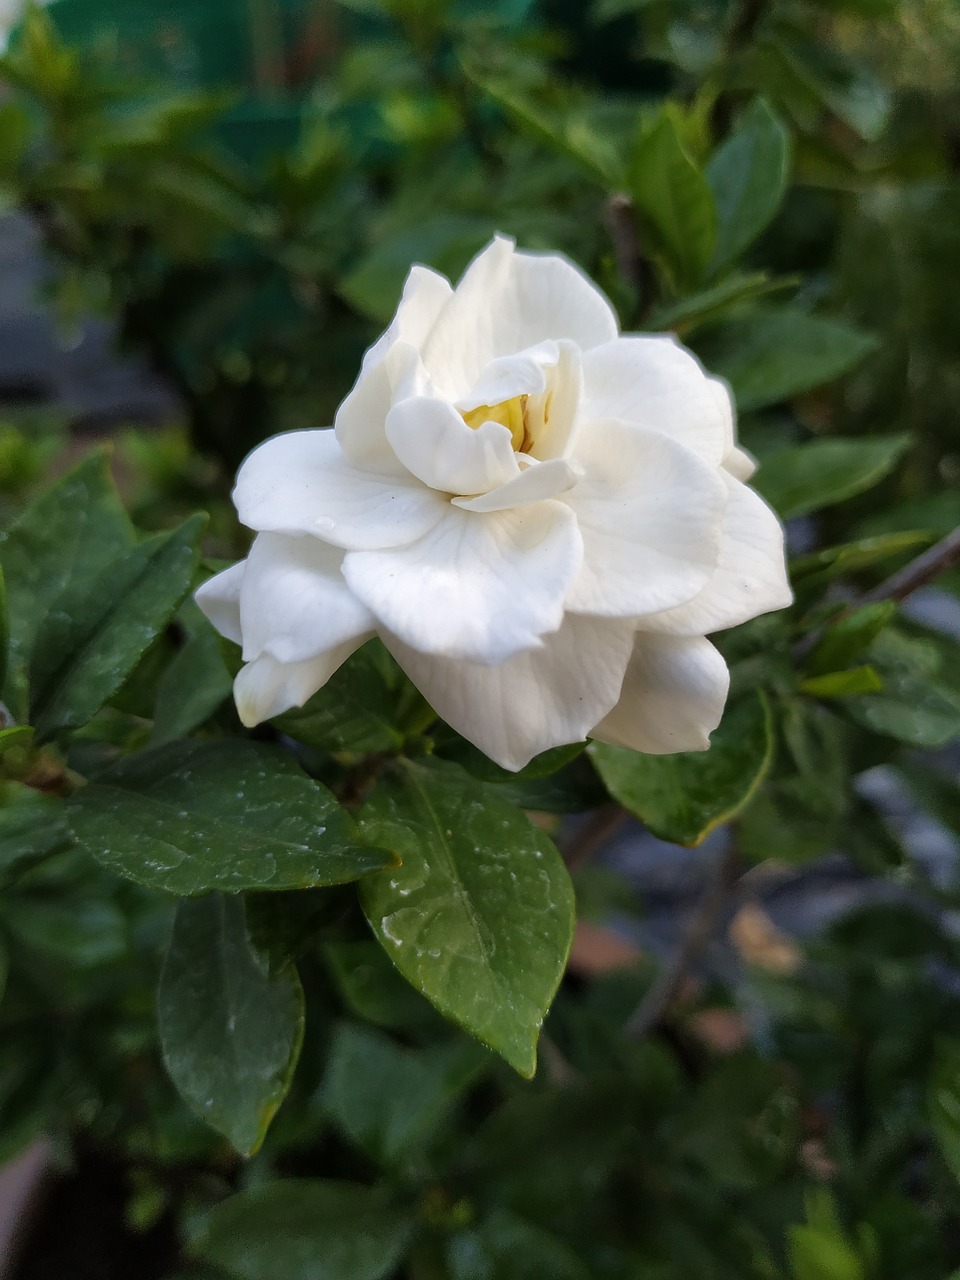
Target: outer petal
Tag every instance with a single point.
(672, 699)
(360, 418)
(477, 587)
(435, 444)
(302, 483)
(657, 384)
(650, 513)
(219, 598)
(540, 480)
(266, 687)
(737, 461)
(294, 603)
(507, 302)
(522, 374)
(751, 576)
(534, 700)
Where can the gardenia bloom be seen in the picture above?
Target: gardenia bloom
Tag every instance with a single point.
(542, 520)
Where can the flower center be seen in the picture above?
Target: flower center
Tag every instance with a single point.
(511, 414)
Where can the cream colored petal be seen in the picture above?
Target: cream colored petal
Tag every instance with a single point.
(219, 599)
(435, 444)
(265, 687)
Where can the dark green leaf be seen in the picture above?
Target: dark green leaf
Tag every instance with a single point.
(390, 1100)
(372, 988)
(85, 933)
(682, 798)
(669, 188)
(807, 477)
(771, 353)
(748, 176)
(847, 638)
(231, 1019)
(98, 629)
(4, 634)
(194, 683)
(479, 917)
(842, 684)
(232, 815)
(915, 705)
(354, 711)
(306, 1230)
(710, 305)
(943, 1103)
(504, 1247)
(32, 826)
(70, 533)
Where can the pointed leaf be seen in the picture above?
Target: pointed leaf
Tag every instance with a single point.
(808, 477)
(232, 815)
(480, 915)
(748, 176)
(682, 798)
(306, 1230)
(231, 1019)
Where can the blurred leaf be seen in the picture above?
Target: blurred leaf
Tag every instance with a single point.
(4, 636)
(769, 353)
(943, 1103)
(83, 933)
(847, 637)
(683, 797)
(804, 478)
(98, 629)
(914, 706)
(194, 816)
(504, 1247)
(710, 305)
(373, 989)
(842, 684)
(230, 1018)
(479, 916)
(669, 188)
(819, 1250)
(68, 534)
(748, 176)
(194, 683)
(389, 1100)
(850, 557)
(32, 826)
(15, 131)
(306, 1230)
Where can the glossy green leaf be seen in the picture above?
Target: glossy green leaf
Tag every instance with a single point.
(32, 826)
(479, 916)
(69, 534)
(306, 1230)
(771, 353)
(231, 815)
(804, 478)
(230, 1017)
(670, 190)
(390, 1100)
(847, 637)
(748, 177)
(354, 711)
(682, 798)
(916, 705)
(99, 629)
(194, 683)
(842, 684)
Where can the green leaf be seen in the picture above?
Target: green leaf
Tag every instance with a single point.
(32, 826)
(915, 705)
(748, 177)
(842, 684)
(389, 1100)
(231, 1019)
(831, 562)
(98, 630)
(943, 1104)
(354, 711)
(507, 1248)
(68, 534)
(667, 186)
(232, 815)
(847, 637)
(479, 916)
(819, 1250)
(306, 1230)
(682, 798)
(4, 635)
(372, 988)
(807, 477)
(711, 304)
(194, 683)
(771, 353)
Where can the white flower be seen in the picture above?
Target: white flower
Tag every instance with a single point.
(542, 520)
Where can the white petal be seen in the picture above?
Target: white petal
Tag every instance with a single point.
(219, 599)
(515, 375)
(739, 463)
(540, 480)
(655, 383)
(533, 701)
(435, 444)
(294, 603)
(650, 513)
(479, 587)
(672, 699)
(302, 483)
(265, 687)
(361, 417)
(750, 578)
(507, 302)
(559, 409)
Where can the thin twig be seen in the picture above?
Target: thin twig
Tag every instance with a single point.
(619, 216)
(920, 572)
(700, 930)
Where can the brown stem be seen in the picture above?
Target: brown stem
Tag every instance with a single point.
(619, 216)
(700, 929)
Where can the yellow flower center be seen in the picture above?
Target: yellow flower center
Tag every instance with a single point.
(511, 414)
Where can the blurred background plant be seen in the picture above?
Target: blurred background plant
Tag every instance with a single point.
(239, 189)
